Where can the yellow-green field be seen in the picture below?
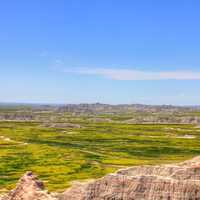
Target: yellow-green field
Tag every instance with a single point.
(62, 155)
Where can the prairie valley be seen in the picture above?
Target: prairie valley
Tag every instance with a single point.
(70, 143)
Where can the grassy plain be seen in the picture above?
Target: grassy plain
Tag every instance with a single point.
(63, 155)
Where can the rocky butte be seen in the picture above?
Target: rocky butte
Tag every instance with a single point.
(164, 182)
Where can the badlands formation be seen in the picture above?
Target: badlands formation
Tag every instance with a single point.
(164, 182)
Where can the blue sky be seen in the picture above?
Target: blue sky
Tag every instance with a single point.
(109, 51)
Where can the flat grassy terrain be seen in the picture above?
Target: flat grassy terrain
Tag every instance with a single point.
(63, 155)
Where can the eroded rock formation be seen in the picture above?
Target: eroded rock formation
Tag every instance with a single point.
(29, 188)
(166, 182)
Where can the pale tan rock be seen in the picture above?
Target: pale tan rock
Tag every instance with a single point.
(29, 188)
(164, 182)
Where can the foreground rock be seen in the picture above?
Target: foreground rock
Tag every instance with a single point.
(166, 182)
(29, 188)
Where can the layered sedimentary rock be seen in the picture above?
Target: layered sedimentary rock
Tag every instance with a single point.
(166, 182)
(29, 188)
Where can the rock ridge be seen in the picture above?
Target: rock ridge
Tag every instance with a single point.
(162, 182)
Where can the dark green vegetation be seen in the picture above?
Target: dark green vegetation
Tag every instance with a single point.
(72, 147)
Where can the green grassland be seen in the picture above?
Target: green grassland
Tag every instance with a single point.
(63, 155)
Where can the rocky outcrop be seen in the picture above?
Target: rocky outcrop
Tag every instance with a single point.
(29, 188)
(166, 182)
(61, 125)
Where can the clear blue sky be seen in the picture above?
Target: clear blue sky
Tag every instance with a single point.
(109, 51)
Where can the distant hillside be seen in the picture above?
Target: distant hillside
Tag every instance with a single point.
(128, 113)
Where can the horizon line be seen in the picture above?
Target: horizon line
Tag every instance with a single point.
(93, 103)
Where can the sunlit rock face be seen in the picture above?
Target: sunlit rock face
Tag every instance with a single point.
(29, 188)
(164, 182)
